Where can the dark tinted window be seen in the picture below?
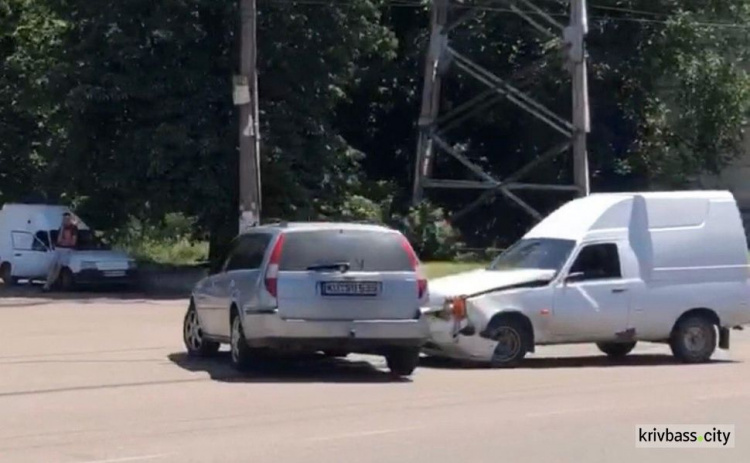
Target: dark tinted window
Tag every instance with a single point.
(545, 254)
(43, 238)
(598, 261)
(41, 243)
(247, 252)
(369, 251)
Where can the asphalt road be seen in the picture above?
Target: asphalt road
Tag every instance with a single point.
(105, 380)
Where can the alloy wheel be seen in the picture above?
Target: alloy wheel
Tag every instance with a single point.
(235, 339)
(193, 332)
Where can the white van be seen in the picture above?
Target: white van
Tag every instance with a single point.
(610, 269)
(27, 236)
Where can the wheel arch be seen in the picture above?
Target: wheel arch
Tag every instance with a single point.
(703, 312)
(234, 311)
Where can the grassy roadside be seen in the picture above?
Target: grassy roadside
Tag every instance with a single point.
(182, 253)
(441, 269)
(185, 253)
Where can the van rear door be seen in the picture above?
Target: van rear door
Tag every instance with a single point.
(347, 274)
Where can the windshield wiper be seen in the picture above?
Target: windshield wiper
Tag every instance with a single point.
(343, 267)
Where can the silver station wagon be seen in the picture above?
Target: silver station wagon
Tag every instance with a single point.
(301, 288)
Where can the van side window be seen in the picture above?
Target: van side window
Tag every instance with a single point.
(598, 262)
(248, 252)
(22, 241)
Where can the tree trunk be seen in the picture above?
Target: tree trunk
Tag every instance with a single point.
(220, 238)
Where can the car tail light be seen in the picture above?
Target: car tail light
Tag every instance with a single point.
(272, 272)
(421, 280)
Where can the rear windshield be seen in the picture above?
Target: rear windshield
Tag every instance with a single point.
(364, 251)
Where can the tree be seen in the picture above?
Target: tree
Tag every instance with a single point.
(668, 90)
(124, 108)
(27, 34)
(147, 124)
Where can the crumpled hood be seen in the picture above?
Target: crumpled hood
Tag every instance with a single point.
(99, 256)
(478, 281)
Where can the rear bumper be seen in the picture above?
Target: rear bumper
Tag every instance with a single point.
(272, 331)
(99, 277)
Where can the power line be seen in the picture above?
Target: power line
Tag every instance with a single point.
(592, 18)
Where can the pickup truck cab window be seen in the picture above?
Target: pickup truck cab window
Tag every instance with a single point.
(598, 262)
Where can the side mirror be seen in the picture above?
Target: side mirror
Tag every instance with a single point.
(575, 277)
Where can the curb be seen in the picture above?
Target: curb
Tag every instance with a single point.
(170, 280)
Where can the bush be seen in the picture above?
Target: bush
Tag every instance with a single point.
(425, 226)
(360, 209)
(430, 233)
(169, 241)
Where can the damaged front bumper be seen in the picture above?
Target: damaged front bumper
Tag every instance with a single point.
(453, 333)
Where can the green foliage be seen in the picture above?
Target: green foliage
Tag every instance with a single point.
(429, 232)
(443, 269)
(359, 209)
(169, 241)
(124, 109)
(694, 102)
(28, 33)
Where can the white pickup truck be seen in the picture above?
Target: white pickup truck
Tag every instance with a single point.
(610, 269)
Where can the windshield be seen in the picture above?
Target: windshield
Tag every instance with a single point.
(541, 253)
(87, 240)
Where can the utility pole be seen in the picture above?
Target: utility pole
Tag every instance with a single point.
(575, 35)
(246, 97)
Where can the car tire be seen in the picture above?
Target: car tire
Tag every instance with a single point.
(192, 335)
(402, 361)
(616, 349)
(693, 340)
(241, 354)
(5, 275)
(513, 340)
(66, 281)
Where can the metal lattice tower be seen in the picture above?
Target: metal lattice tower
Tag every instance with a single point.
(431, 121)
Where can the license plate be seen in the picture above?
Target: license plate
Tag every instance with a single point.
(114, 273)
(350, 288)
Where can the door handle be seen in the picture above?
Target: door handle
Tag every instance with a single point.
(18, 255)
(619, 290)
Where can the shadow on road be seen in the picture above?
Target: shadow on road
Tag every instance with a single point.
(84, 295)
(600, 361)
(310, 370)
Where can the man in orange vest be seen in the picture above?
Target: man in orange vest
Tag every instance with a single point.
(67, 239)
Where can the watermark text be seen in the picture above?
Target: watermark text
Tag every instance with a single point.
(684, 436)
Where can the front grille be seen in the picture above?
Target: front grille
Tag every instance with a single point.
(112, 265)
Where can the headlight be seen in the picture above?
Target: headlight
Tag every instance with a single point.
(88, 265)
(132, 265)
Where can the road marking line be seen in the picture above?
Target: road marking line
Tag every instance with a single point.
(735, 395)
(360, 434)
(563, 412)
(135, 458)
